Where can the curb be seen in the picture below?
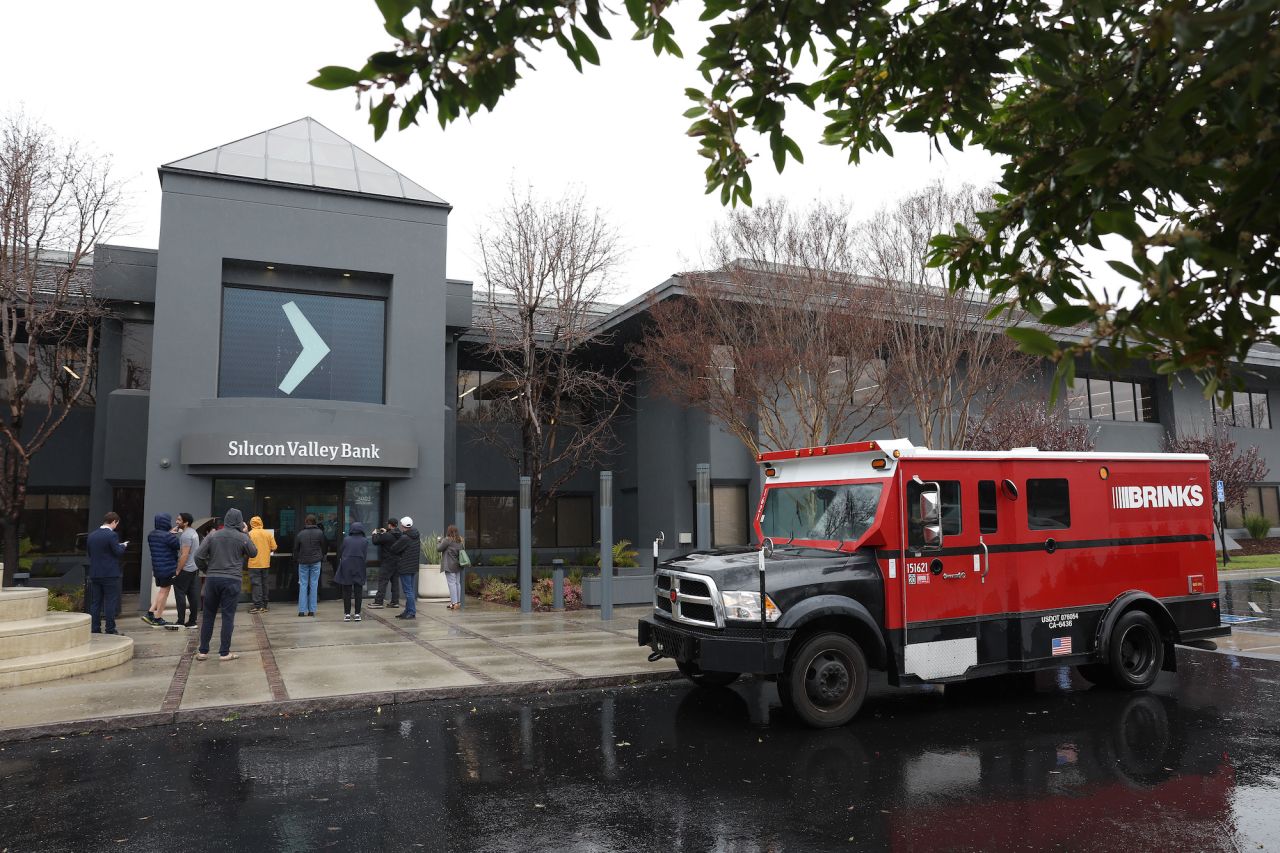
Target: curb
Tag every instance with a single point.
(354, 701)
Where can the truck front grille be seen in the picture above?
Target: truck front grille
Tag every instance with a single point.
(682, 597)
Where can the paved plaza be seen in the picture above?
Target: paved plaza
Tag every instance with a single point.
(293, 665)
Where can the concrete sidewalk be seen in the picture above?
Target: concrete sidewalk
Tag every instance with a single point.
(292, 665)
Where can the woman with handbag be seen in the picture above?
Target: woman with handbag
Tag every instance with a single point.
(452, 561)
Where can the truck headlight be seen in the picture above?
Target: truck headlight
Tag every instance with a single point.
(746, 606)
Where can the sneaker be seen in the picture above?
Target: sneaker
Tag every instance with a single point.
(157, 622)
(255, 609)
(189, 625)
(355, 618)
(149, 619)
(375, 606)
(113, 631)
(312, 613)
(346, 617)
(300, 613)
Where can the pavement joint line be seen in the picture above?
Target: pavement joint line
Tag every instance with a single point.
(353, 701)
(507, 647)
(173, 698)
(452, 659)
(279, 693)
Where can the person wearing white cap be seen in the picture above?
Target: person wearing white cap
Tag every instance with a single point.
(408, 550)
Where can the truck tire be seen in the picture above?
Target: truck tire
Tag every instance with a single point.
(1136, 651)
(706, 678)
(825, 681)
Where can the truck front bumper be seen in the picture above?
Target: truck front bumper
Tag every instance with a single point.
(735, 649)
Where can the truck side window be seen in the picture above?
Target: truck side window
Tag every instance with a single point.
(950, 511)
(1048, 504)
(987, 521)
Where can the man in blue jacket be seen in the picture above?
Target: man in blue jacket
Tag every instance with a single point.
(105, 550)
(163, 543)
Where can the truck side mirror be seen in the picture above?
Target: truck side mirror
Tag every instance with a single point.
(931, 516)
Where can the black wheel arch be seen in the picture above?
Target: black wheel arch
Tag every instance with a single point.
(1136, 599)
(839, 614)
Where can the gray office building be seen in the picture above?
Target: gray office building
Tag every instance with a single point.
(294, 347)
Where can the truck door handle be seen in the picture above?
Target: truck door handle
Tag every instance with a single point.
(986, 559)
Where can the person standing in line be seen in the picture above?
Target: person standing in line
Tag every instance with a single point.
(384, 538)
(450, 547)
(105, 550)
(260, 565)
(164, 567)
(186, 584)
(308, 550)
(222, 555)
(353, 570)
(408, 551)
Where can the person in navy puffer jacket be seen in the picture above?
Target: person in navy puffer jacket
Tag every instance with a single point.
(163, 543)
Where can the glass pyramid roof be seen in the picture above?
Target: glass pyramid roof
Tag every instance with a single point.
(306, 153)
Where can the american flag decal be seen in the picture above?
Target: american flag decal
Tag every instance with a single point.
(1061, 646)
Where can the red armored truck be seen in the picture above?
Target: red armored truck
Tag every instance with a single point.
(942, 566)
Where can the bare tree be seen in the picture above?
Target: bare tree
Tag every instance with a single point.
(953, 369)
(547, 268)
(56, 202)
(779, 342)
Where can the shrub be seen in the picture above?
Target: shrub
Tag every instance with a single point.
(1258, 526)
(474, 582)
(513, 594)
(431, 549)
(504, 560)
(66, 599)
(624, 556)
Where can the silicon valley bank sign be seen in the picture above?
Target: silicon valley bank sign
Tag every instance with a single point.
(223, 449)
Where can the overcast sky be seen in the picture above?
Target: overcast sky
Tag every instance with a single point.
(152, 82)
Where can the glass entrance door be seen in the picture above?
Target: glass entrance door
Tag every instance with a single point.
(284, 504)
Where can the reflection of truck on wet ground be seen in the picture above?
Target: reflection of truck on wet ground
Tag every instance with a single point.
(941, 566)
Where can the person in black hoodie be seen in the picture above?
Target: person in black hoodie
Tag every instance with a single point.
(384, 538)
(352, 570)
(408, 552)
(222, 555)
(308, 549)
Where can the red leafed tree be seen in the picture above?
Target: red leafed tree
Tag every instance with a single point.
(1237, 469)
(1028, 423)
(778, 343)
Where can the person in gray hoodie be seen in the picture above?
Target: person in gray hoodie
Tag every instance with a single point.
(222, 555)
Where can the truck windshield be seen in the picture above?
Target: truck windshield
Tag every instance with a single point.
(837, 512)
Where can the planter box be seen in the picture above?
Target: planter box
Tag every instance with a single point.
(630, 586)
(431, 583)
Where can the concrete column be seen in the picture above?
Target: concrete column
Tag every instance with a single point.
(526, 546)
(702, 496)
(606, 545)
(460, 519)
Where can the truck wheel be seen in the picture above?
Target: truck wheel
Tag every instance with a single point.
(706, 678)
(825, 681)
(1136, 653)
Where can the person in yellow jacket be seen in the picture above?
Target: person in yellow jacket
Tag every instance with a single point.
(261, 564)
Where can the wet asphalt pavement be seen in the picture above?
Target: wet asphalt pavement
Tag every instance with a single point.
(1036, 764)
(1255, 599)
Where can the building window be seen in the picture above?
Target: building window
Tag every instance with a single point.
(52, 522)
(729, 516)
(493, 521)
(135, 356)
(1258, 500)
(264, 333)
(1112, 400)
(1048, 504)
(485, 395)
(1249, 409)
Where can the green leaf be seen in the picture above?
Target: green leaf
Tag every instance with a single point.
(585, 46)
(1125, 270)
(333, 77)
(1067, 315)
(1033, 341)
